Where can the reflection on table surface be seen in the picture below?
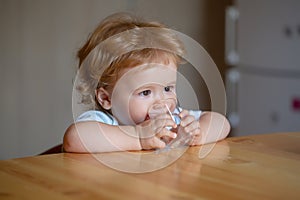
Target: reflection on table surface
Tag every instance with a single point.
(251, 167)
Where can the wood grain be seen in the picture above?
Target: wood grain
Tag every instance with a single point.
(253, 167)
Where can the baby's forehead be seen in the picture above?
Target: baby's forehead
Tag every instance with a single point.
(161, 63)
(150, 69)
(149, 73)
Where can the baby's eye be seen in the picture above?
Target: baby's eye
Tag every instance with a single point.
(169, 88)
(145, 93)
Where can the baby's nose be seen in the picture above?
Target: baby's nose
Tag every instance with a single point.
(169, 103)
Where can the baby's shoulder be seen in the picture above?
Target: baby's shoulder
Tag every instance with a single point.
(99, 116)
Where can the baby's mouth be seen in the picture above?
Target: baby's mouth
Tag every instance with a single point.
(147, 118)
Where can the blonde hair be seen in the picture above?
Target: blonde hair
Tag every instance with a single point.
(123, 41)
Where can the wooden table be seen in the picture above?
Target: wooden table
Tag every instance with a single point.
(253, 167)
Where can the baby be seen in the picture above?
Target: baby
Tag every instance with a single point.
(128, 70)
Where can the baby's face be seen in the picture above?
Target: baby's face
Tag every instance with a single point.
(141, 87)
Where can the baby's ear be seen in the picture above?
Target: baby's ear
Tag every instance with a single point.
(103, 98)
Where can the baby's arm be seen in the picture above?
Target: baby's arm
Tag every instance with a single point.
(93, 137)
(214, 127)
(211, 127)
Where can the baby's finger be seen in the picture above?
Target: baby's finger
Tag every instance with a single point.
(159, 144)
(183, 113)
(193, 128)
(188, 119)
(196, 140)
(166, 133)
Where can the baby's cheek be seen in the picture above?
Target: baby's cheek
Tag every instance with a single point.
(138, 112)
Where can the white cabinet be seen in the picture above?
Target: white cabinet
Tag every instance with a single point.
(264, 103)
(268, 34)
(263, 85)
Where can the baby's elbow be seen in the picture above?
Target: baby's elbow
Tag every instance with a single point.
(226, 127)
(71, 142)
(222, 122)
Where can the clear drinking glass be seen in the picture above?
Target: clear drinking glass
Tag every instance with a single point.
(169, 106)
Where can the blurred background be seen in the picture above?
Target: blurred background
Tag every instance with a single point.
(40, 38)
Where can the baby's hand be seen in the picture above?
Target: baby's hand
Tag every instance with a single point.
(189, 125)
(153, 130)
